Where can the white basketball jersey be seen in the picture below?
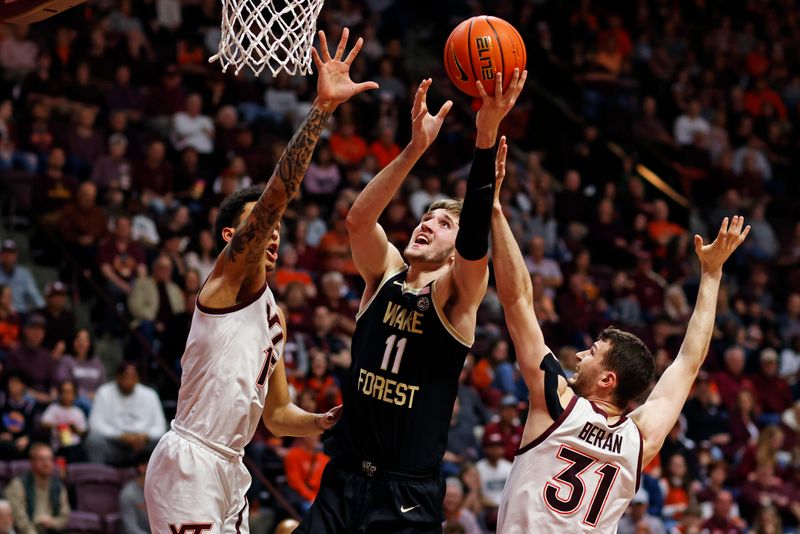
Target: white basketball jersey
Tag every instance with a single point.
(229, 358)
(578, 476)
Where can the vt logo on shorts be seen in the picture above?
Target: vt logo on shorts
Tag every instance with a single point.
(191, 528)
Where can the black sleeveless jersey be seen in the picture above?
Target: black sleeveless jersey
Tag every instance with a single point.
(400, 389)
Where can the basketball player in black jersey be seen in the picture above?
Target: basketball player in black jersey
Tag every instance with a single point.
(414, 328)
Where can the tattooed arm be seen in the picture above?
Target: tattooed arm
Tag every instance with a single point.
(240, 268)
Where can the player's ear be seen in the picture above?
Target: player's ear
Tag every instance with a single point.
(608, 379)
(227, 233)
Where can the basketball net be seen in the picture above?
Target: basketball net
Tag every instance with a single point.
(277, 34)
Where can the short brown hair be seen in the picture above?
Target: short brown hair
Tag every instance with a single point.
(631, 361)
(451, 205)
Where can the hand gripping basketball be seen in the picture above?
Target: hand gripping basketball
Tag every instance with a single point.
(495, 107)
(334, 85)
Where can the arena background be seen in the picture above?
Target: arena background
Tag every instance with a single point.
(642, 123)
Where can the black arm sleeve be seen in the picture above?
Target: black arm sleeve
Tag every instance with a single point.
(472, 241)
(552, 369)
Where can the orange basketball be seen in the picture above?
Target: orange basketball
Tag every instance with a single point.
(478, 49)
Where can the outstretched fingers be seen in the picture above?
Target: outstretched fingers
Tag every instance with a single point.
(743, 236)
(342, 44)
(364, 86)
(444, 110)
(723, 229)
(317, 60)
(354, 52)
(323, 47)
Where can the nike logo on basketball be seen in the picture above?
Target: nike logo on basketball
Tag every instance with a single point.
(404, 510)
(461, 71)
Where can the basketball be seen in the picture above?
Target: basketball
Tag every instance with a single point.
(478, 49)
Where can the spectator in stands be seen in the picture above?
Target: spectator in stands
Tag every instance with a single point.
(121, 260)
(493, 469)
(320, 381)
(676, 487)
(66, 423)
(60, 322)
(723, 520)
(454, 511)
(155, 300)
(706, 419)
(81, 366)
(201, 255)
(637, 520)
(54, 189)
(39, 500)
(83, 224)
(10, 322)
(507, 426)
(25, 295)
(384, 148)
(132, 508)
(16, 417)
(304, 464)
(337, 297)
(690, 125)
(153, 177)
(788, 322)
(648, 127)
(35, 361)
(347, 146)
(548, 268)
(18, 53)
(773, 394)
(323, 338)
(6, 518)
(190, 128)
(322, 177)
(742, 423)
(430, 192)
(113, 170)
(731, 379)
(126, 419)
(84, 144)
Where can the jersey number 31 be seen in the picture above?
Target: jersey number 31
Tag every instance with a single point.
(570, 478)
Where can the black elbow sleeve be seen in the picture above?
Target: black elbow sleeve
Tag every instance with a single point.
(472, 241)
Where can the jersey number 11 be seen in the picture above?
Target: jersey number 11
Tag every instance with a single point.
(390, 344)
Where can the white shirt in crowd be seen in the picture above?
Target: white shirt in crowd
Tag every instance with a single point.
(686, 128)
(114, 414)
(493, 478)
(196, 132)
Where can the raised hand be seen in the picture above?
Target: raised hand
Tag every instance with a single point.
(500, 169)
(334, 85)
(728, 239)
(495, 108)
(424, 126)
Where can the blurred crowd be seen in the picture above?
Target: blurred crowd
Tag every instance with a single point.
(118, 141)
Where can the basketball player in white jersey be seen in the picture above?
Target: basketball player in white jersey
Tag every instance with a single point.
(581, 456)
(233, 373)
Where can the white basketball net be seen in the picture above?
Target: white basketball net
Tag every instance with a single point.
(277, 34)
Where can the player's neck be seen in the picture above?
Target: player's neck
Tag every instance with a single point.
(420, 275)
(612, 411)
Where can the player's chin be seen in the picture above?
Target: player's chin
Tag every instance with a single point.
(270, 263)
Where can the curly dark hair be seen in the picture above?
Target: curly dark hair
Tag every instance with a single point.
(231, 209)
(631, 361)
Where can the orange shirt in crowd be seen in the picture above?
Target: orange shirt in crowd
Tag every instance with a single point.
(348, 150)
(304, 471)
(384, 154)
